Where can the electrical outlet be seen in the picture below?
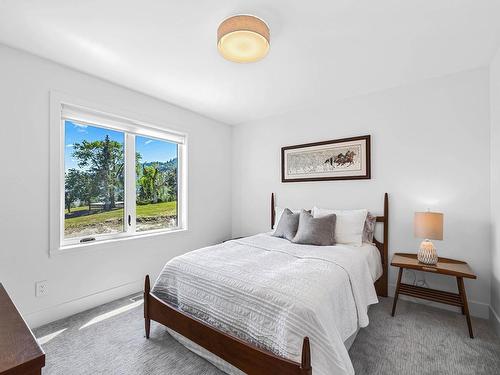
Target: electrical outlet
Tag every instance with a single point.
(41, 288)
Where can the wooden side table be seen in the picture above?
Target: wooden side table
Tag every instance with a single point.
(445, 266)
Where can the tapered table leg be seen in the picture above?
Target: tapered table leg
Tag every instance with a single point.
(397, 291)
(458, 285)
(465, 308)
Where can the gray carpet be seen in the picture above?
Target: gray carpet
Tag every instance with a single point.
(419, 340)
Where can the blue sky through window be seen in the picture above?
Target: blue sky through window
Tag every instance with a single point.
(150, 149)
(77, 133)
(154, 149)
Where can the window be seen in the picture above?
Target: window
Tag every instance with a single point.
(118, 178)
(156, 184)
(94, 179)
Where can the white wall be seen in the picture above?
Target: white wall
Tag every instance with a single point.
(430, 149)
(428, 141)
(82, 280)
(495, 187)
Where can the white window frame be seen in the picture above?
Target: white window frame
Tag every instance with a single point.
(64, 107)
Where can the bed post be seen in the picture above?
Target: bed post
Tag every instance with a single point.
(305, 364)
(273, 213)
(386, 247)
(381, 285)
(147, 320)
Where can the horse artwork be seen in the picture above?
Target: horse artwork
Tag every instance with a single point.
(341, 159)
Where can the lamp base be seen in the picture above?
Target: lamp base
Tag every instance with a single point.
(427, 253)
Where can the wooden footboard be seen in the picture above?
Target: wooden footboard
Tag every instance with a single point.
(242, 355)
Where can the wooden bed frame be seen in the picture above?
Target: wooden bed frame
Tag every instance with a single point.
(243, 355)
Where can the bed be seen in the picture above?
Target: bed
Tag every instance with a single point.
(262, 305)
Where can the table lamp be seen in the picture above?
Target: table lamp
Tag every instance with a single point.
(428, 225)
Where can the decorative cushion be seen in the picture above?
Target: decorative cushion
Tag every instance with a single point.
(349, 225)
(287, 225)
(315, 231)
(278, 211)
(369, 228)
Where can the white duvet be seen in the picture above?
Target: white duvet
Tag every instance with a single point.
(273, 293)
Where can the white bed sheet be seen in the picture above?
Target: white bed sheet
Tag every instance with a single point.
(373, 258)
(273, 293)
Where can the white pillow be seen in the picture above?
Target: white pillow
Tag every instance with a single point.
(349, 226)
(278, 211)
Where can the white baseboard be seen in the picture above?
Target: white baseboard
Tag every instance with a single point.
(68, 308)
(477, 309)
(495, 320)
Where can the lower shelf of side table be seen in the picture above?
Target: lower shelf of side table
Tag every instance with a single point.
(431, 294)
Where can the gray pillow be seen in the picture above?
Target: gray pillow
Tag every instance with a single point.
(288, 224)
(316, 230)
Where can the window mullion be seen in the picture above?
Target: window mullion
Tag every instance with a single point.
(130, 193)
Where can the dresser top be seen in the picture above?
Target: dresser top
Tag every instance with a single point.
(19, 349)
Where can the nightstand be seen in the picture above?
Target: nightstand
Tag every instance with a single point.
(444, 266)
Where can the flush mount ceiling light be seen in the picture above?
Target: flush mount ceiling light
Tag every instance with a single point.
(243, 38)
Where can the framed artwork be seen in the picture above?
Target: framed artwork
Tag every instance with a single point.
(339, 159)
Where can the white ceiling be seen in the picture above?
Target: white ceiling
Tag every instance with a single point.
(321, 50)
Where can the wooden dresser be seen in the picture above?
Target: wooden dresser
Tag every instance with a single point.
(19, 350)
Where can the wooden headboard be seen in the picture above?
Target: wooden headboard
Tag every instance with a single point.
(382, 283)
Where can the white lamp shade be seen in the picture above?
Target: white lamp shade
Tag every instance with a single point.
(428, 225)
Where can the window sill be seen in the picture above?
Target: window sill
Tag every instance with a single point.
(79, 247)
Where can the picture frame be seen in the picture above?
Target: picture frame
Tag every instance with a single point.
(338, 159)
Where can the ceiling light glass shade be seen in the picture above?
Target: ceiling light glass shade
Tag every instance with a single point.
(243, 39)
